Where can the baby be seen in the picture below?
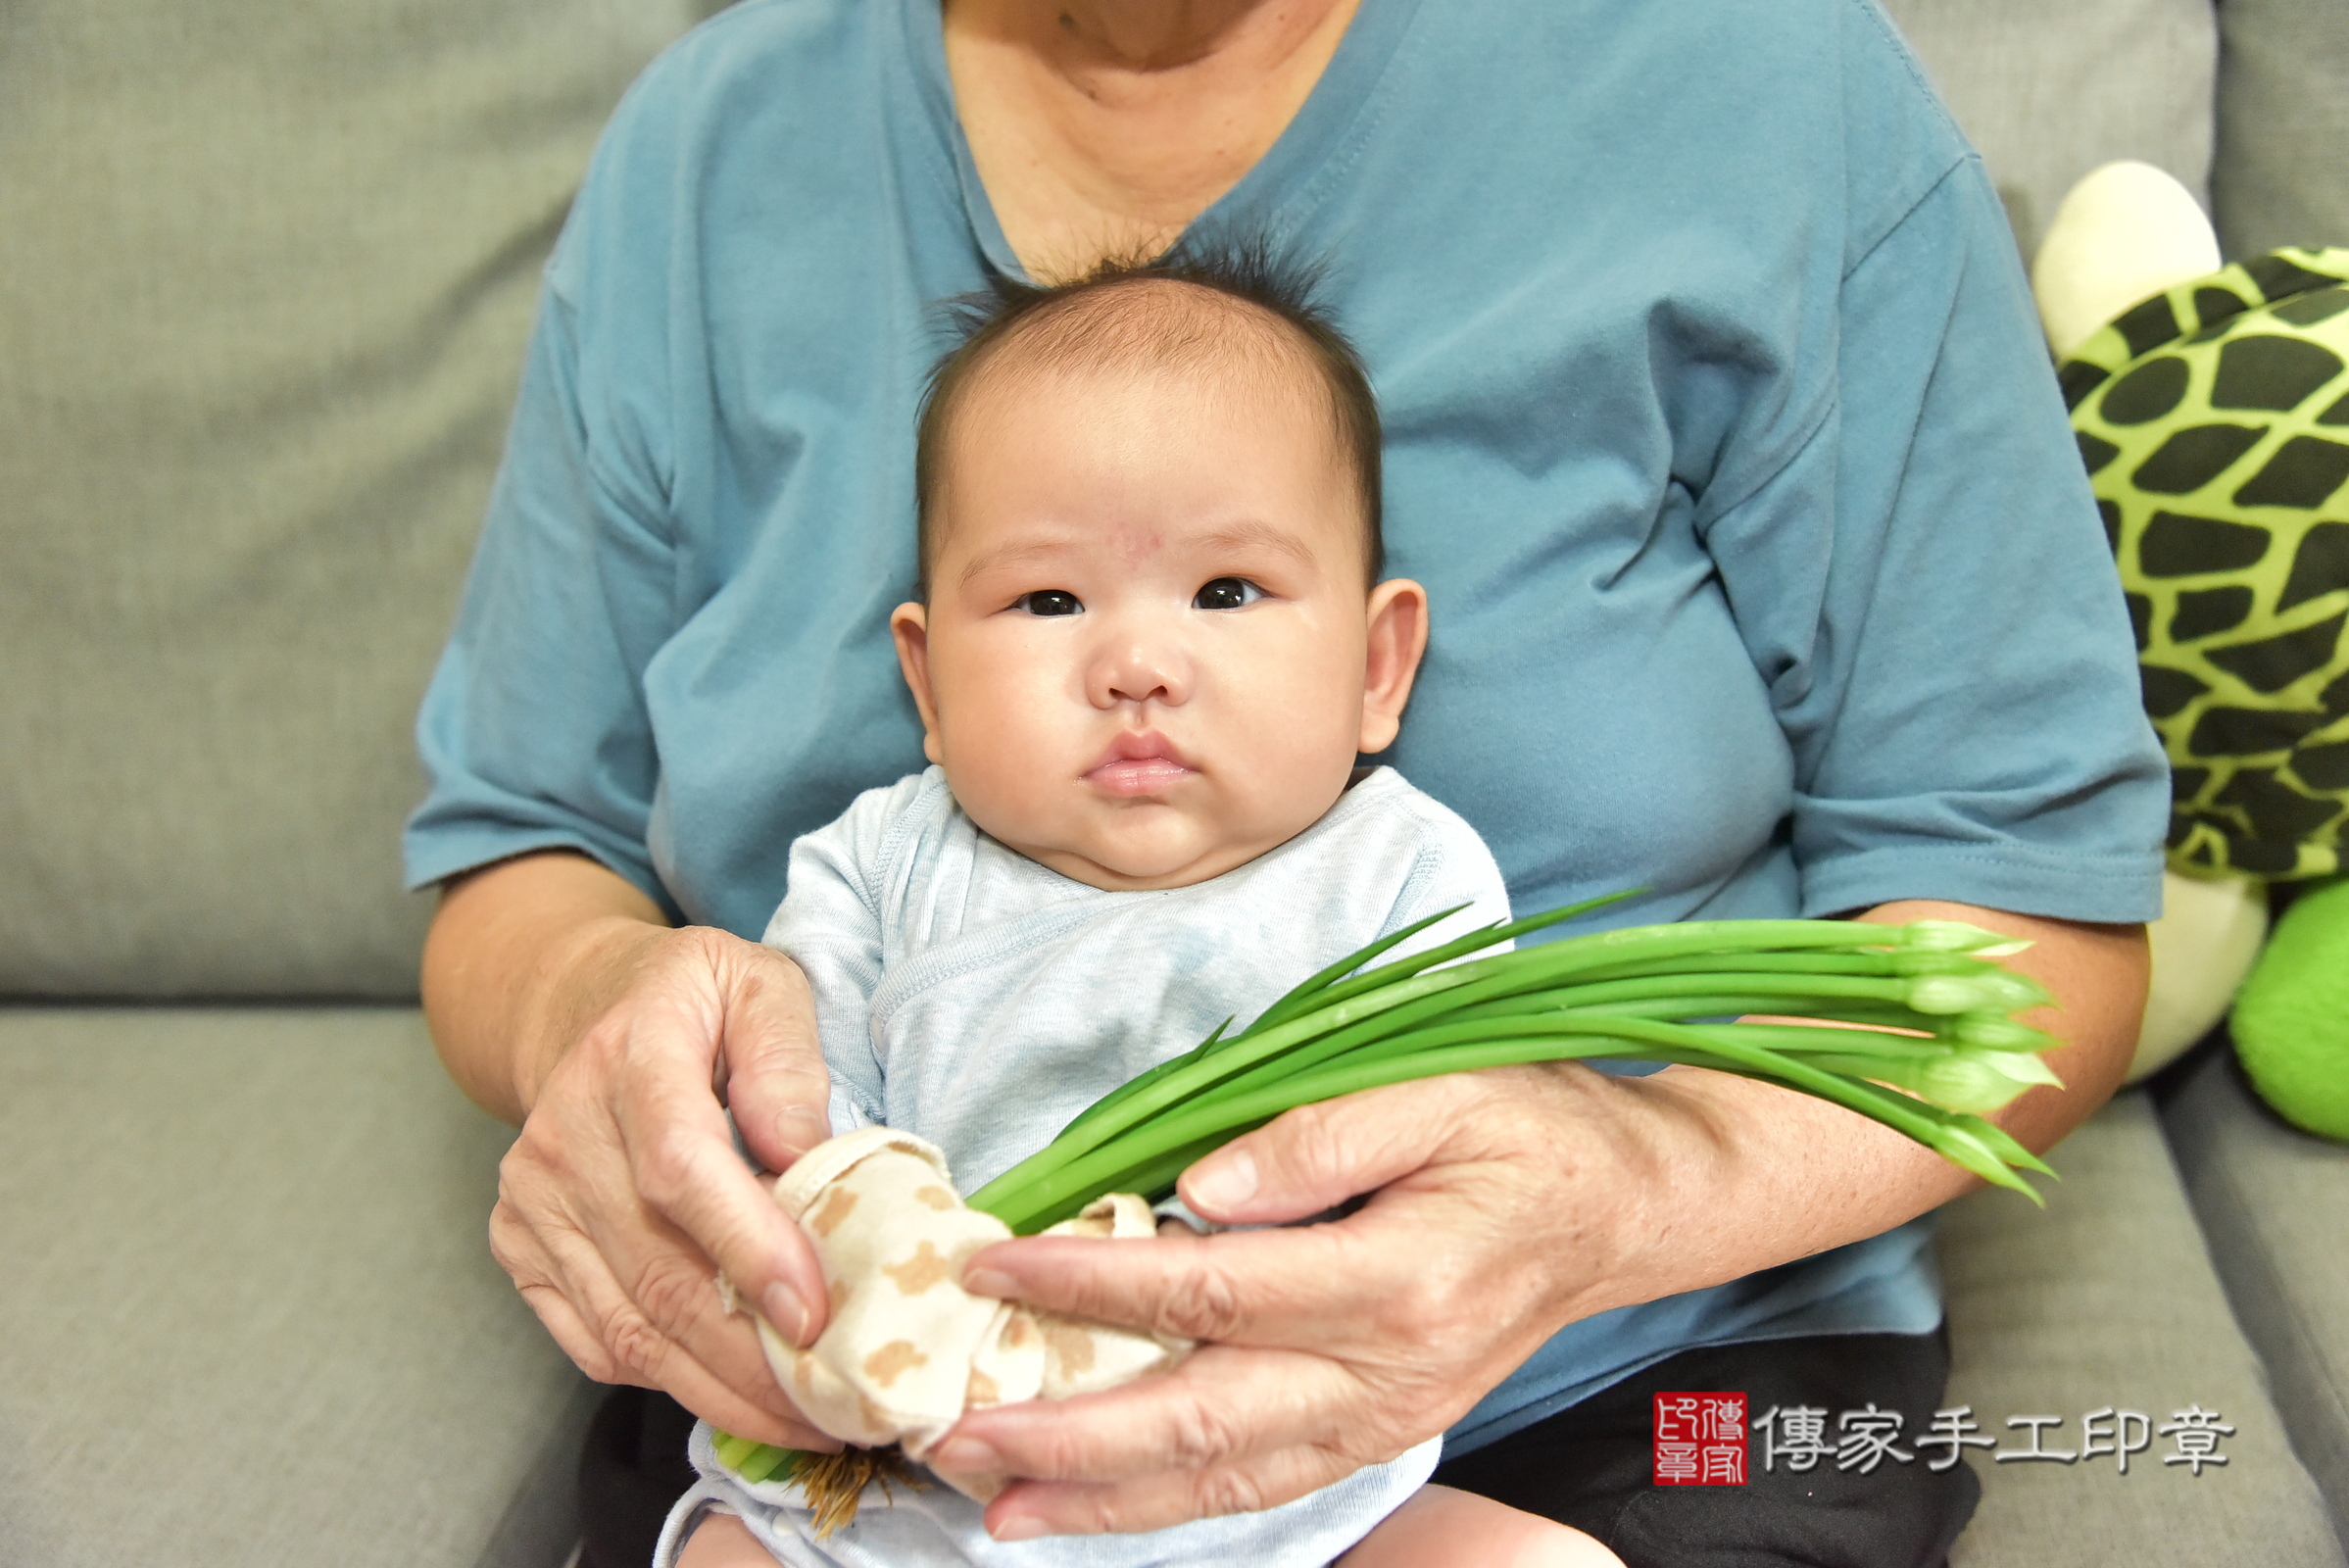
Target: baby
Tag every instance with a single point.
(1150, 642)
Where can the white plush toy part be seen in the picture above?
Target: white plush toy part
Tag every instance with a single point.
(2205, 942)
(2126, 231)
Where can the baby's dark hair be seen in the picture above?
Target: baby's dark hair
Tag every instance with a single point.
(1118, 315)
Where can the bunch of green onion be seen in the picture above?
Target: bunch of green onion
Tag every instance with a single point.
(1921, 1007)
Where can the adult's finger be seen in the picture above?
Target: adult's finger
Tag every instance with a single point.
(628, 1181)
(616, 1120)
(771, 1065)
(1302, 1289)
(699, 1201)
(518, 1254)
(1315, 1157)
(646, 1337)
(1354, 1339)
(648, 1354)
(585, 1346)
(1188, 1420)
(1032, 1508)
(572, 1335)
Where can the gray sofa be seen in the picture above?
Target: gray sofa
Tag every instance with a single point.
(265, 271)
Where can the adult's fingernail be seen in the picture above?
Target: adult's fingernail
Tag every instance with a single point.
(786, 1311)
(1226, 1181)
(989, 1282)
(966, 1455)
(1020, 1527)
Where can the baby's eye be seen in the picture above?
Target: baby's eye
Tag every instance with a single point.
(1049, 602)
(1227, 593)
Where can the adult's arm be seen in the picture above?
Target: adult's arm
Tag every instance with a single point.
(559, 998)
(1507, 1203)
(559, 994)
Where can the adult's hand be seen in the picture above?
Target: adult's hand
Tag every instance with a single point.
(559, 998)
(1505, 1205)
(1330, 1346)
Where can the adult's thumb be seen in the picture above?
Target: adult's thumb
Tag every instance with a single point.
(770, 1063)
(1315, 1157)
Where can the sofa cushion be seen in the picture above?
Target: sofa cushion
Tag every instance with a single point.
(2106, 1299)
(246, 1315)
(265, 270)
(2274, 1203)
(2049, 92)
(2283, 122)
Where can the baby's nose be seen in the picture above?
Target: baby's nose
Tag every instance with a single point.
(1140, 670)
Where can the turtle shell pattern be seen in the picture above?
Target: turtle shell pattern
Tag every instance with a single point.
(2214, 419)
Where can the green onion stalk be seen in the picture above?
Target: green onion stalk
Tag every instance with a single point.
(1911, 1026)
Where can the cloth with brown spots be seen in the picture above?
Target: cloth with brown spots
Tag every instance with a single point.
(906, 1349)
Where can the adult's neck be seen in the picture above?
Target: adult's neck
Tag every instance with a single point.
(1101, 126)
(1106, 43)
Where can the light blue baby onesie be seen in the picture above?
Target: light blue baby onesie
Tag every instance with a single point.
(972, 995)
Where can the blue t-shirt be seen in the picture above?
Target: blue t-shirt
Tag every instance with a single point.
(1763, 573)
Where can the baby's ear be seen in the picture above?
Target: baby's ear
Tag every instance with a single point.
(1398, 636)
(909, 625)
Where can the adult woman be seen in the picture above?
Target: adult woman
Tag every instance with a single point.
(1716, 431)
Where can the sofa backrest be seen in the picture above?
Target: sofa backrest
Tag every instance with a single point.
(2282, 175)
(265, 271)
(2049, 91)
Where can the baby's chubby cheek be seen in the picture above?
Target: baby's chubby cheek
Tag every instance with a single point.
(1289, 744)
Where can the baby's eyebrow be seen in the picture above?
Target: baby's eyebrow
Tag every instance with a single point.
(1254, 535)
(1233, 537)
(1013, 555)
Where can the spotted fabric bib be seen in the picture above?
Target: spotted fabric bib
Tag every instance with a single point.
(2214, 419)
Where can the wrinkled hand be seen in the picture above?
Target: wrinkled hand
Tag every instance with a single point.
(1334, 1346)
(624, 1196)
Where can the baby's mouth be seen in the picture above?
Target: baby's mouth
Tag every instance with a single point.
(1147, 764)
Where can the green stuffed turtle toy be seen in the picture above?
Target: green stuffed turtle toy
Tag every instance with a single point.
(2212, 408)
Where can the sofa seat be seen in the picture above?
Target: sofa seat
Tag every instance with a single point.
(248, 1318)
(246, 1311)
(2107, 1297)
(2274, 1203)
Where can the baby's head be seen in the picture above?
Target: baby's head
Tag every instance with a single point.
(1152, 636)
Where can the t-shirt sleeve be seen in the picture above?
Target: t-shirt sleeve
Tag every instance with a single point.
(534, 732)
(830, 923)
(1923, 587)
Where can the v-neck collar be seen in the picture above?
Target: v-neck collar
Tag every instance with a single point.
(1276, 194)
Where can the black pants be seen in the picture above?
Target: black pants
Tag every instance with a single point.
(633, 1468)
(1589, 1466)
